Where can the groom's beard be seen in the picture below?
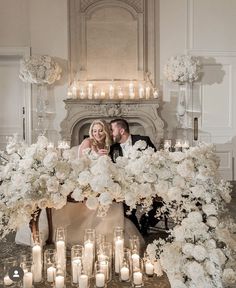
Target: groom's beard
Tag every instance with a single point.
(117, 138)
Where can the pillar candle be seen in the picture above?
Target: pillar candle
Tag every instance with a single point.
(149, 268)
(137, 278)
(7, 281)
(141, 91)
(51, 272)
(28, 280)
(83, 281)
(135, 260)
(88, 256)
(37, 263)
(100, 280)
(90, 91)
(76, 269)
(124, 273)
(59, 281)
(147, 92)
(119, 248)
(111, 92)
(61, 253)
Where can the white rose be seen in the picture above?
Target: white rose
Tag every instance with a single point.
(105, 198)
(84, 178)
(186, 168)
(209, 209)
(199, 253)
(195, 216)
(92, 203)
(229, 276)
(50, 160)
(187, 249)
(77, 194)
(210, 267)
(212, 221)
(52, 184)
(140, 145)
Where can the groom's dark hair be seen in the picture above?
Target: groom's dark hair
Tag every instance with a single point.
(122, 123)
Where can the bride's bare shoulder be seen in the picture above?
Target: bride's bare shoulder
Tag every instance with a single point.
(86, 143)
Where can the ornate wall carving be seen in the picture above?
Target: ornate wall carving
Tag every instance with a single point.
(136, 4)
(142, 116)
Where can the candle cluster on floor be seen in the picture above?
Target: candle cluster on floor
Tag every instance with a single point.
(92, 264)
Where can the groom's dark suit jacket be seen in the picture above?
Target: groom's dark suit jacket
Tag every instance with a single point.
(134, 138)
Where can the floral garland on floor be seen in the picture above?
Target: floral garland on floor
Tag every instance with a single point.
(200, 251)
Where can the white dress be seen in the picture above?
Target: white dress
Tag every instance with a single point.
(76, 217)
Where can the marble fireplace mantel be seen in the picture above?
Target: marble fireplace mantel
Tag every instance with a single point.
(142, 116)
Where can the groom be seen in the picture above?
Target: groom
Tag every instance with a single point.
(122, 141)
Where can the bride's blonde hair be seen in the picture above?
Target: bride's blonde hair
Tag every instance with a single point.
(106, 130)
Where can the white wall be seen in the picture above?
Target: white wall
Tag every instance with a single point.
(205, 28)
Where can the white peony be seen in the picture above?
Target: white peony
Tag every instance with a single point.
(199, 253)
(92, 203)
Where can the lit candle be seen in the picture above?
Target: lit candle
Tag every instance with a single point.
(141, 91)
(155, 94)
(7, 281)
(131, 89)
(147, 92)
(59, 281)
(82, 93)
(185, 145)
(100, 280)
(28, 280)
(135, 260)
(69, 94)
(137, 278)
(51, 272)
(88, 256)
(120, 94)
(124, 273)
(132, 95)
(119, 248)
(90, 91)
(61, 253)
(167, 144)
(83, 281)
(111, 91)
(103, 94)
(158, 268)
(74, 90)
(96, 95)
(76, 270)
(37, 263)
(149, 268)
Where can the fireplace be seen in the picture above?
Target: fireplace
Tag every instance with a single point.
(142, 116)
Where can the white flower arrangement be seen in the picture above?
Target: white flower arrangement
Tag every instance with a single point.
(182, 68)
(199, 251)
(39, 70)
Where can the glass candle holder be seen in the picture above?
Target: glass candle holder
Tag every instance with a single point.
(134, 243)
(105, 253)
(37, 259)
(135, 259)
(125, 268)
(137, 273)
(100, 275)
(28, 274)
(118, 248)
(178, 145)
(60, 279)
(148, 267)
(167, 145)
(76, 263)
(89, 251)
(60, 239)
(50, 265)
(185, 145)
(9, 263)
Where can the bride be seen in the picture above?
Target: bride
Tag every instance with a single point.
(75, 216)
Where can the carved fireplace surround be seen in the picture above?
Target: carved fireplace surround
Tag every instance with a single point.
(142, 116)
